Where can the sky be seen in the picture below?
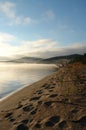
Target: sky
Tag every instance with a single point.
(42, 28)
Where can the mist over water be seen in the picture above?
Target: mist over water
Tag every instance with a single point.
(16, 76)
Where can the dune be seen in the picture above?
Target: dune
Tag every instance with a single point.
(57, 102)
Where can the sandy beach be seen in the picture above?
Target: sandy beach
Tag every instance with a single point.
(57, 102)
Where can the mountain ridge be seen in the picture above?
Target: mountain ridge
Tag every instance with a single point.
(26, 59)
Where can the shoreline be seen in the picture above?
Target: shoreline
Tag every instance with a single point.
(13, 92)
(55, 102)
(31, 86)
(18, 90)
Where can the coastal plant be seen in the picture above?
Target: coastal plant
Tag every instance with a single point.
(68, 93)
(71, 90)
(62, 81)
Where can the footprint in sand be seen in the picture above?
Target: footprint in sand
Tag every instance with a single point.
(74, 111)
(39, 102)
(81, 121)
(22, 127)
(33, 112)
(53, 95)
(8, 115)
(25, 121)
(19, 106)
(35, 98)
(39, 92)
(48, 103)
(49, 124)
(28, 108)
(12, 119)
(52, 121)
(46, 86)
(50, 90)
(62, 125)
(52, 87)
(38, 125)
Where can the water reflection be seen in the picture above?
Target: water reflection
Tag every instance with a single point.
(15, 76)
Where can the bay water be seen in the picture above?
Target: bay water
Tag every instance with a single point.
(15, 76)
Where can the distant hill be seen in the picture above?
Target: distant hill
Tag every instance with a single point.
(60, 58)
(80, 58)
(26, 60)
(51, 60)
(4, 58)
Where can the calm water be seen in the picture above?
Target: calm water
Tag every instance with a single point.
(16, 76)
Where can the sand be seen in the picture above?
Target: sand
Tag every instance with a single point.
(57, 102)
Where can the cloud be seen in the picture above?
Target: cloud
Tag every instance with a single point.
(40, 48)
(48, 15)
(5, 44)
(59, 51)
(24, 47)
(40, 45)
(9, 9)
(27, 20)
(5, 37)
(49, 48)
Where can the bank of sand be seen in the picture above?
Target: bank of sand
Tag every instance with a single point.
(57, 102)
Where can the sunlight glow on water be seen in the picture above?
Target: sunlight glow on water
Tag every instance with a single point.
(15, 76)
